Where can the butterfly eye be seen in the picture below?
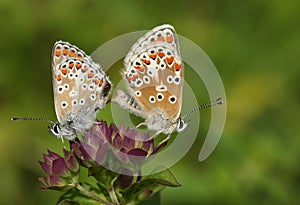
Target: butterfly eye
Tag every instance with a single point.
(181, 125)
(55, 130)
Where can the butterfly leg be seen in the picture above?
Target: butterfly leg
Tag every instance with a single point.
(128, 102)
(142, 123)
(166, 140)
(63, 141)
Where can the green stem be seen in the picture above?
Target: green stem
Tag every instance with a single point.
(91, 195)
(112, 193)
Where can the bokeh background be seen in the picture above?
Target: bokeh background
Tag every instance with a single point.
(255, 46)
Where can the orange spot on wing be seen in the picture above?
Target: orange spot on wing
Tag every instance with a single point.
(79, 57)
(146, 61)
(72, 54)
(177, 66)
(78, 65)
(98, 82)
(71, 65)
(161, 54)
(139, 68)
(170, 60)
(90, 75)
(65, 51)
(57, 53)
(132, 78)
(169, 38)
(64, 71)
(153, 56)
(58, 77)
(161, 38)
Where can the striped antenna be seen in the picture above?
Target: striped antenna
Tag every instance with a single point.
(30, 118)
(218, 101)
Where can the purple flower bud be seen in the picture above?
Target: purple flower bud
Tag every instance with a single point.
(71, 161)
(59, 170)
(53, 182)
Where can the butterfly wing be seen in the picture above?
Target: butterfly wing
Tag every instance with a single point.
(154, 70)
(80, 86)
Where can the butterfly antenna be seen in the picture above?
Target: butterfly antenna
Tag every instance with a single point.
(30, 118)
(218, 101)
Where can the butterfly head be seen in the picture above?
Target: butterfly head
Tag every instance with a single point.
(182, 125)
(58, 130)
(55, 130)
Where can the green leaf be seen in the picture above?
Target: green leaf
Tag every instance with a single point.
(165, 178)
(148, 186)
(84, 194)
(102, 175)
(68, 202)
(155, 199)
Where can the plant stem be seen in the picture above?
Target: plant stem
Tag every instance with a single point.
(91, 195)
(112, 193)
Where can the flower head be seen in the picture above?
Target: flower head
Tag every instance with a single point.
(60, 170)
(115, 148)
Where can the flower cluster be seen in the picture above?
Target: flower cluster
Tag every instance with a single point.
(60, 170)
(114, 157)
(115, 148)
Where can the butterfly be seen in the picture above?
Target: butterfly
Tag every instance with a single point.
(154, 72)
(80, 88)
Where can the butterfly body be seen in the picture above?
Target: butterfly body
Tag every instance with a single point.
(154, 72)
(80, 88)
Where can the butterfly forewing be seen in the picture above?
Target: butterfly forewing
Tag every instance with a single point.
(154, 70)
(80, 86)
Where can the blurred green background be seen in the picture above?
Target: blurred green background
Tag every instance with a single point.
(254, 44)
